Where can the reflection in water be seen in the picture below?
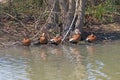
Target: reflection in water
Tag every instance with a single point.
(79, 69)
(57, 51)
(26, 51)
(94, 67)
(90, 50)
(43, 55)
(75, 52)
(76, 62)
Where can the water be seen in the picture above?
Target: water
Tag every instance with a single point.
(66, 62)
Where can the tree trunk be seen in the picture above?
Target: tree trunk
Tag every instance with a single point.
(64, 5)
(54, 17)
(56, 11)
(80, 12)
(72, 12)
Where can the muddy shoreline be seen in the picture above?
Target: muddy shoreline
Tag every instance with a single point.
(104, 33)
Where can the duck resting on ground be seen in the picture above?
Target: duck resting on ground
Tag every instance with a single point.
(43, 39)
(75, 37)
(56, 40)
(91, 38)
(26, 41)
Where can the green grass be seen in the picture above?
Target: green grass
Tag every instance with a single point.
(24, 7)
(103, 10)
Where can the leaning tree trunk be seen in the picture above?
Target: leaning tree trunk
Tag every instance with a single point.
(72, 12)
(78, 17)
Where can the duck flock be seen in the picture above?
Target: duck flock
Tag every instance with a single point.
(75, 38)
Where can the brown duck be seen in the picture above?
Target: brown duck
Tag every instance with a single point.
(26, 41)
(75, 37)
(56, 40)
(43, 39)
(91, 38)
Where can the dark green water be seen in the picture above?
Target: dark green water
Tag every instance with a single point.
(76, 62)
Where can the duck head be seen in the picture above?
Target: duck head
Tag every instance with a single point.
(77, 31)
(43, 34)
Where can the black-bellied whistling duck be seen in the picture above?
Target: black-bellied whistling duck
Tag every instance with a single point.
(76, 37)
(56, 40)
(91, 38)
(43, 39)
(26, 41)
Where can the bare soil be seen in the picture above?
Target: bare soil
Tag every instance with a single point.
(11, 32)
(105, 32)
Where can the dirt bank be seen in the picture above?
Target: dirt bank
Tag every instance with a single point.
(13, 34)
